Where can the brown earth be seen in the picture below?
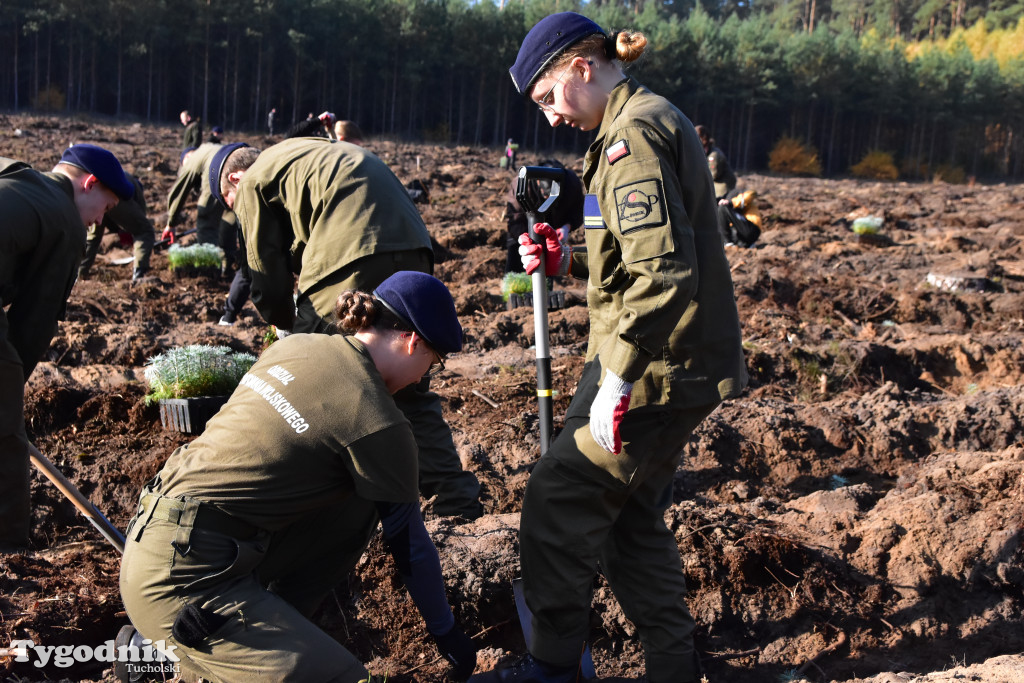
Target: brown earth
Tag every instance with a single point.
(857, 512)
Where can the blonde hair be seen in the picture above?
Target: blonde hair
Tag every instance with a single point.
(623, 46)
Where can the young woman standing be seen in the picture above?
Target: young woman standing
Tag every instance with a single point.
(664, 351)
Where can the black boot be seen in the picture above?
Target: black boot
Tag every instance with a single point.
(529, 670)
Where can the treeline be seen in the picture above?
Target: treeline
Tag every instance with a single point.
(937, 84)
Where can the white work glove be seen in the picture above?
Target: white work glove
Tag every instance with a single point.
(606, 413)
(556, 254)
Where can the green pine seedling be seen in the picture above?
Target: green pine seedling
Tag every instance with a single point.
(195, 255)
(196, 370)
(515, 283)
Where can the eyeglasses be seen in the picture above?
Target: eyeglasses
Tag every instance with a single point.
(547, 101)
(435, 368)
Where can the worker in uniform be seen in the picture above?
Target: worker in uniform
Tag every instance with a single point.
(245, 530)
(664, 351)
(192, 136)
(335, 216)
(126, 218)
(718, 164)
(214, 224)
(42, 237)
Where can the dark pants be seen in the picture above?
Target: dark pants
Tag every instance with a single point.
(241, 287)
(15, 513)
(585, 506)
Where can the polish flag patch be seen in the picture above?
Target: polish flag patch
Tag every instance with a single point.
(619, 150)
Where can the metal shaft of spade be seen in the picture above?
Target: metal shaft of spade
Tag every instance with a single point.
(533, 203)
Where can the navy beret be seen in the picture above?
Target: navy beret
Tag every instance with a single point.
(426, 304)
(217, 164)
(545, 42)
(102, 164)
(217, 129)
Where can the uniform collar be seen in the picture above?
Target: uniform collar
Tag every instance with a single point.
(64, 182)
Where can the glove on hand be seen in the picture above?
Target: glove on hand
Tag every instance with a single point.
(125, 238)
(167, 235)
(460, 650)
(556, 254)
(606, 413)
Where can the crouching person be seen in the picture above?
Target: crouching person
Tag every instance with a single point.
(245, 530)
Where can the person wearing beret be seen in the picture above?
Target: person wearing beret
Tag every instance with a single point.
(664, 351)
(216, 135)
(335, 217)
(245, 530)
(214, 224)
(43, 218)
(127, 218)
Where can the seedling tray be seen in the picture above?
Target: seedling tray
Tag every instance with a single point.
(189, 415)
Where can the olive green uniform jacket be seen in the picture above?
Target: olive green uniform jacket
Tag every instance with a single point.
(660, 294)
(721, 173)
(193, 135)
(212, 219)
(311, 207)
(307, 442)
(41, 242)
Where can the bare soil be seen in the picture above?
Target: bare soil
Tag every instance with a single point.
(856, 515)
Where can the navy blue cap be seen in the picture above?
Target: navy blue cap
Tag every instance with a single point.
(217, 164)
(217, 129)
(545, 42)
(426, 304)
(102, 164)
(181, 159)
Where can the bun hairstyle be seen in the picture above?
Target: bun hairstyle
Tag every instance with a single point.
(623, 46)
(355, 310)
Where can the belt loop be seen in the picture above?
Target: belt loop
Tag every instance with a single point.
(182, 538)
(147, 506)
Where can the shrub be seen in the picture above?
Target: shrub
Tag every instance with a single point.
(949, 174)
(515, 283)
(876, 165)
(792, 157)
(194, 255)
(197, 370)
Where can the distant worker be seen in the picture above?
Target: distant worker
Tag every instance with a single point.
(214, 224)
(736, 228)
(335, 216)
(126, 218)
(508, 159)
(565, 215)
(42, 237)
(216, 135)
(193, 135)
(721, 172)
(247, 529)
(272, 121)
(313, 127)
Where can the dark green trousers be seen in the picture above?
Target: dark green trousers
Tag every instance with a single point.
(586, 507)
(14, 482)
(264, 589)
